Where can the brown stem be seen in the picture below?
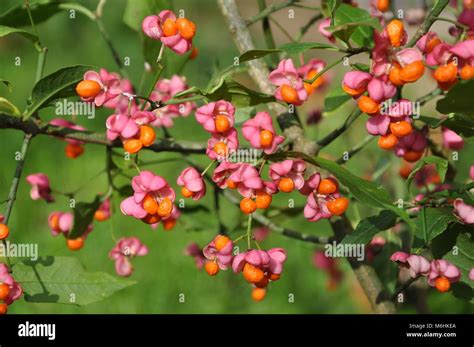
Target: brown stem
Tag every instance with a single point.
(35, 127)
(294, 133)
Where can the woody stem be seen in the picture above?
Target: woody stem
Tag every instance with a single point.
(249, 231)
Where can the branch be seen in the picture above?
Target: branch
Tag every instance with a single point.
(35, 127)
(338, 131)
(259, 73)
(14, 186)
(431, 17)
(291, 126)
(365, 273)
(278, 228)
(307, 26)
(356, 149)
(268, 11)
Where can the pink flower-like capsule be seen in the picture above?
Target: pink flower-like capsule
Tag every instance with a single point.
(309, 70)
(320, 193)
(380, 89)
(440, 55)
(311, 184)
(103, 212)
(109, 86)
(152, 199)
(471, 274)
(316, 207)
(219, 250)
(322, 28)
(417, 264)
(223, 172)
(177, 34)
(400, 258)
(451, 140)
(120, 125)
(260, 133)
(378, 125)
(441, 268)
(471, 172)
(247, 180)
(411, 147)
(121, 101)
(219, 146)
(428, 42)
(290, 84)
(192, 184)
(165, 90)
(258, 266)
(60, 222)
(217, 116)
(15, 289)
(40, 188)
(464, 211)
(193, 250)
(355, 82)
(288, 174)
(125, 249)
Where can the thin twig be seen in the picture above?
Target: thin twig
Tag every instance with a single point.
(36, 127)
(430, 18)
(339, 130)
(269, 10)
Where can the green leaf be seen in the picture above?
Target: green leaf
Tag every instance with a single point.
(369, 227)
(440, 163)
(431, 222)
(7, 107)
(52, 87)
(150, 51)
(239, 95)
(335, 99)
(243, 114)
(41, 11)
(219, 77)
(458, 100)
(459, 123)
(60, 279)
(125, 190)
(290, 48)
(367, 192)
(355, 24)
(444, 242)
(136, 11)
(360, 67)
(328, 7)
(196, 219)
(83, 216)
(6, 83)
(459, 191)
(462, 255)
(4, 31)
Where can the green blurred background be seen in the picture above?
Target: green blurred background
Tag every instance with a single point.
(166, 272)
